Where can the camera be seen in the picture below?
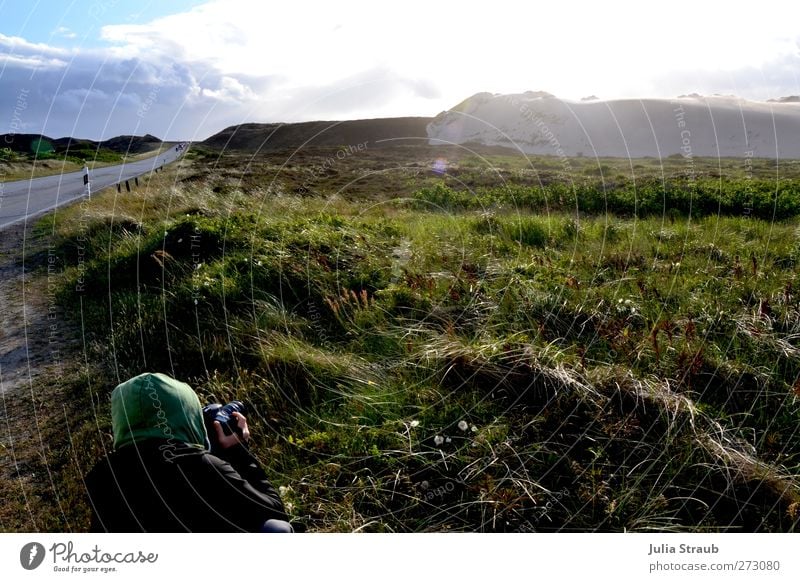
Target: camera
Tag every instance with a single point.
(224, 415)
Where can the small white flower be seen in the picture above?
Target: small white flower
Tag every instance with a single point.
(462, 425)
(448, 440)
(414, 423)
(474, 428)
(438, 440)
(282, 490)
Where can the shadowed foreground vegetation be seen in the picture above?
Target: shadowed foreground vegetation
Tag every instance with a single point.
(442, 357)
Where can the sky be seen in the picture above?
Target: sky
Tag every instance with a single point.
(185, 69)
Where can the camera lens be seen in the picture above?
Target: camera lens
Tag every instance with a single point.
(226, 419)
(224, 415)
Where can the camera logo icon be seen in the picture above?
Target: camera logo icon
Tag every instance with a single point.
(31, 555)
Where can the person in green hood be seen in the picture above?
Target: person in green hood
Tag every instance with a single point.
(162, 475)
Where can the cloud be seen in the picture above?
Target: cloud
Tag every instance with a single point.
(13, 44)
(231, 90)
(190, 74)
(94, 93)
(775, 78)
(65, 32)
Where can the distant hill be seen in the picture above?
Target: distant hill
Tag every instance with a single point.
(132, 144)
(27, 143)
(689, 125)
(274, 136)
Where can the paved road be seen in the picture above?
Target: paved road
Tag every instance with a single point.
(30, 198)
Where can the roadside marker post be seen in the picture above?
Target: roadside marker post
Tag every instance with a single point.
(87, 185)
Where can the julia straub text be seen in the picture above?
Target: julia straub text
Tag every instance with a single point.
(682, 549)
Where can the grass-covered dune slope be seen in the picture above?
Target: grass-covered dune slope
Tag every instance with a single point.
(430, 340)
(41, 147)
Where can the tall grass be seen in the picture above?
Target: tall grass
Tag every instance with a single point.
(486, 368)
(650, 196)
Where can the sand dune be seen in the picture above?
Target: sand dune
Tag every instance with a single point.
(540, 123)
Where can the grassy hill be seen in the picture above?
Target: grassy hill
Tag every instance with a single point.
(434, 340)
(20, 147)
(271, 136)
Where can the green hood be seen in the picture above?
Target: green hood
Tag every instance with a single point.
(156, 406)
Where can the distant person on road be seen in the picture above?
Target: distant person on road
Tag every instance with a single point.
(162, 477)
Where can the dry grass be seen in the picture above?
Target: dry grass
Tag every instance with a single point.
(418, 370)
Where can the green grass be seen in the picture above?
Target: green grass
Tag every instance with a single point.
(651, 196)
(438, 363)
(77, 156)
(21, 166)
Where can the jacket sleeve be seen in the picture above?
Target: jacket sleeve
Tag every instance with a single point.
(248, 493)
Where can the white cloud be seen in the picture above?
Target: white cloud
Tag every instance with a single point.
(90, 93)
(31, 62)
(566, 48)
(65, 32)
(10, 45)
(230, 90)
(237, 60)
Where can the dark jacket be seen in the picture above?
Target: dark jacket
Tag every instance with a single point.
(161, 478)
(167, 486)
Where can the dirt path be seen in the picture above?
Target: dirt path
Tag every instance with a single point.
(30, 341)
(36, 347)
